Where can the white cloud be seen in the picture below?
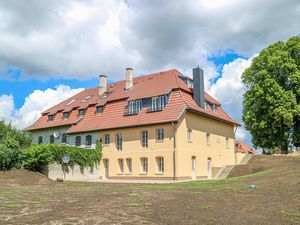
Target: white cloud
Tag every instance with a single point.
(229, 91)
(74, 38)
(34, 104)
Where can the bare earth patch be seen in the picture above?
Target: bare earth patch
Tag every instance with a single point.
(30, 198)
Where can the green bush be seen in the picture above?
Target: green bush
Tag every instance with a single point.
(12, 144)
(39, 155)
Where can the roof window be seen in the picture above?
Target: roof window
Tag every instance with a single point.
(86, 98)
(72, 101)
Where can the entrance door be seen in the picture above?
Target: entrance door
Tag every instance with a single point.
(106, 168)
(209, 168)
(193, 168)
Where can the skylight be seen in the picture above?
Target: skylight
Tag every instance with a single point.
(86, 98)
(71, 102)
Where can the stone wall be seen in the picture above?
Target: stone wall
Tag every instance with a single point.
(54, 171)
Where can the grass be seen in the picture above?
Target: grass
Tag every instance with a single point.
(296, 214)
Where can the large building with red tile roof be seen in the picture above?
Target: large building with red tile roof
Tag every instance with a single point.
(158, 126)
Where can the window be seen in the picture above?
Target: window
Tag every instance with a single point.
(51, 139)
(134, 107)
(160, 164)
(88, 140)
(99, 109)
(207, 138)
(214, 108)
(77, 141)
(144, 138)
(40, 141)
(86, 98)
(144, 163)
(106, 139)
(129, 165)
(69, 103)
(189, 135)
(119, 141)
(159, 103)
(50, 118)
(121, 165)
(81, 112)
(160, 134)
(63, 138)
(227, 142)
(65, 115)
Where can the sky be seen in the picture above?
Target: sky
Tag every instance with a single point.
(52, 49)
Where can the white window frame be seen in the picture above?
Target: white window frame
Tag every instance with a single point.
(144, 138)
(144, 164)
(160, 134)
(119, 141)
(88, 145)
(106, 139)
(79, 112)
(160, 164)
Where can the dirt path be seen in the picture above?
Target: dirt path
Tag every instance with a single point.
(30, 198)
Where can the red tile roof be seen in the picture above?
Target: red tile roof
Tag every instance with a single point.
(244, 148)
(115, 102)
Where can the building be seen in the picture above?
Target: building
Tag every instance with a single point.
(158, 126)
(243, 151)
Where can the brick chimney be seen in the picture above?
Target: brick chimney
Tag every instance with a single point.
(102, 84)
(198, 86)
(129, 78)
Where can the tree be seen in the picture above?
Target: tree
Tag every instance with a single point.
(12, 145)
(271, 106)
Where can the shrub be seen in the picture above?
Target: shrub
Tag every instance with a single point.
(40, 155)
(12, 143)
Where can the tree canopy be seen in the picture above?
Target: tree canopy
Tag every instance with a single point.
(271, 107)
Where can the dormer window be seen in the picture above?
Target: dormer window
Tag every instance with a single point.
(81, 112)
(214, 108)
(134, 107)
(65, 115)
(159, 103)
(50, 117)
(99, 109)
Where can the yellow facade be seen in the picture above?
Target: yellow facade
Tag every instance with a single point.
(190, 156)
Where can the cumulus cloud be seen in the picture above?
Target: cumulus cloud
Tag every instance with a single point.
(34, 104)
(229, 90)
(74, 38)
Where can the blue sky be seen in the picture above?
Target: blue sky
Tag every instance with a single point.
(20, 87)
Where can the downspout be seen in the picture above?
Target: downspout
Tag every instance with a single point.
(235, 129)
(174, 151)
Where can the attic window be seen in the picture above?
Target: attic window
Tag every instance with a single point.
(50, 117)
(81, 112)
(112, 85)
(99, 109)
(71, 102)
(86, 98)
(65, 115)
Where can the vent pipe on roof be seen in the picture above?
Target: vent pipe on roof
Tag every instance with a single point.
(102, 84)
(129, 78)
(198, 86)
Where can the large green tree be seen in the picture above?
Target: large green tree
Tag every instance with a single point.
(271, 107)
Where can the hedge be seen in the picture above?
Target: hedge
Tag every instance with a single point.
(38, 156)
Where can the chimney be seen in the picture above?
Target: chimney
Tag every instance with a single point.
(198, 86)
(129, 78)
(102, 84)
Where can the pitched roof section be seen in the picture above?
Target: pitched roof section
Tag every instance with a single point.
(244, 148)
(115, 102)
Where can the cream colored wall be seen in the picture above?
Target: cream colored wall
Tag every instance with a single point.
(239, 157)
(218, 152)
(132, 148)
